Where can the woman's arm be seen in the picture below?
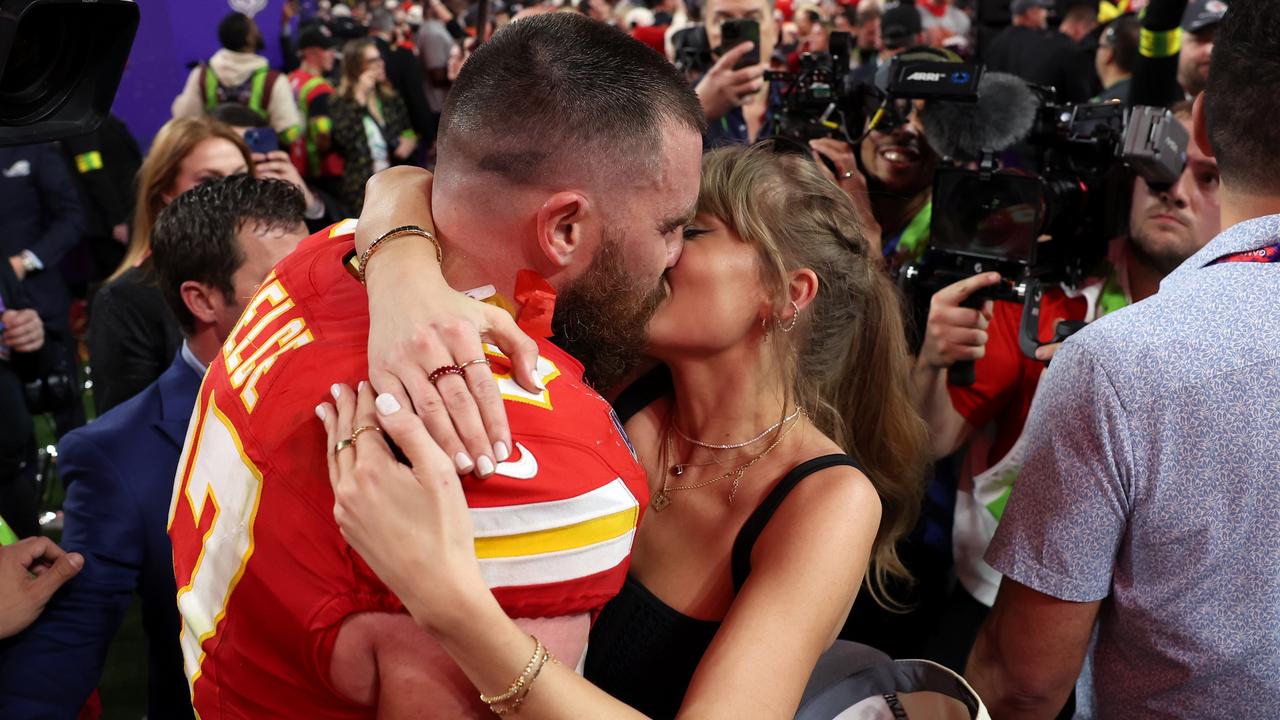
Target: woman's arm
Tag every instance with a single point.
(413, 529)
(417, 323)
(806, 569)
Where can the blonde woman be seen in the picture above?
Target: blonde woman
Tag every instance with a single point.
(132, 335)
(783, 467)
(370, 122)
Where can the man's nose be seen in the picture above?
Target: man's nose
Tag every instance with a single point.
(674, 249)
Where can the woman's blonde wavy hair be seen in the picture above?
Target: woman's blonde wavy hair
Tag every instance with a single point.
(846, 358)
(159, 171)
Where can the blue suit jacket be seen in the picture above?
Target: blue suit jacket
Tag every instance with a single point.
(119, 474)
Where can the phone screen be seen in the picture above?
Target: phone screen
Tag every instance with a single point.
(736, 32)
(262, 140)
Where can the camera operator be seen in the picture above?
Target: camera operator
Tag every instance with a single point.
(1165, 228)
(736, 102)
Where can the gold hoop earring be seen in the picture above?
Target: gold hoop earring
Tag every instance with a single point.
(794, 317)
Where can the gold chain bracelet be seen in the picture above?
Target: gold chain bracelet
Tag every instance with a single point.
(391, 235)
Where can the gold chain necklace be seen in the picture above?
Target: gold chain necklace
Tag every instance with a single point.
(662, 498)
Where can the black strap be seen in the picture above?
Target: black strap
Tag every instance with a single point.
(642, 393)
(751, 529)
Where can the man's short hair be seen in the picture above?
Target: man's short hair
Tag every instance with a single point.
(195, 236)
(555, 91)
(1121, 36)
(1241, 103)
(234, 30)
(240, 116)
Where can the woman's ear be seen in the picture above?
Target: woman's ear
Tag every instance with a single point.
(802, 290)
(559, 227)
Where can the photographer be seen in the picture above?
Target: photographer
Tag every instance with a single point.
(1166, 227)
(737, 102)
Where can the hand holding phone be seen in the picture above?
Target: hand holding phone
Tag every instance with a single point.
(262, 140)
(736, 32)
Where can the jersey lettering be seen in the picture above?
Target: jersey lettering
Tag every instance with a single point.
(212, 519)
(269, 310)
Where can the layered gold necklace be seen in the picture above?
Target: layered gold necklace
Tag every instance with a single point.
(661, 499)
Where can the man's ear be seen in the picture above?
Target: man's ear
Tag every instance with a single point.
(559, 228)
(202, 301)
(1199, 129)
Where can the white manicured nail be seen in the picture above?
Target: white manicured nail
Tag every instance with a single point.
(501, 451)
(360, 387)
(387, 404)
(484, 466)
(320, 412)
(463, 462)
(335, 390)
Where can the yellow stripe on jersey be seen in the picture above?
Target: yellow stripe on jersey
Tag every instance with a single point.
(566, 538)
(556, 514)
(558, 566)
(556, 541)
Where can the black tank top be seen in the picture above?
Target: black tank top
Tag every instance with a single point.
(644, 652)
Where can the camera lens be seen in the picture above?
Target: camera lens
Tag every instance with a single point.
(49, 52)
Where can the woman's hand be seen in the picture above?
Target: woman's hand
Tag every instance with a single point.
(417, 323)
(411, 525)
(851, 180)
(405, 148)
(276, 164)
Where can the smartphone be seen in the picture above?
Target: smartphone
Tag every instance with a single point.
(262, 140)
(736, 32)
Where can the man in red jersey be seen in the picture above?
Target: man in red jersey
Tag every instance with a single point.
(582, 195)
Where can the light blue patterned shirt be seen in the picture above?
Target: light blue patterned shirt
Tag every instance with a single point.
(1152, 484)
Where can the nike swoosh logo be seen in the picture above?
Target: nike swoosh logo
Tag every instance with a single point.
(526, 468)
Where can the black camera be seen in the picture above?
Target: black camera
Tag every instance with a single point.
(1045, 214)
(60, 64)
(820, 100)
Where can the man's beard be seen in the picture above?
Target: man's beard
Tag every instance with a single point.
(601, 319)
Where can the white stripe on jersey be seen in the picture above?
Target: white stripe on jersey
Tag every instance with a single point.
(534, 517)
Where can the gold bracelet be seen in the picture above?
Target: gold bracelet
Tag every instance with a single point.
(391, 235)
(516, 686)
(519, 700)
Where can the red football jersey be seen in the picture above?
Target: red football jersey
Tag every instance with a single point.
(265, 579)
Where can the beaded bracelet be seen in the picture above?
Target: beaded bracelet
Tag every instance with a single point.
(391, 235)
(516, 686)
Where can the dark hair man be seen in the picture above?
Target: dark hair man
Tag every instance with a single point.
(237, 73)
(1116, 56)
(1033, 52)
(1146, 508)
(210, 248)
(588, 188)
(1165, 228)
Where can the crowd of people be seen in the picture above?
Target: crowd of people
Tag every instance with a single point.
(562, 360)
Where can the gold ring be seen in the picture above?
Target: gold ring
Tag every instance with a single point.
(343, 444)
(469, 363)
(355, 434)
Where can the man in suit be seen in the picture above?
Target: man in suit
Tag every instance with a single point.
(211, 248)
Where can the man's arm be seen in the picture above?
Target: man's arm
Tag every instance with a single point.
(61, 206)
(190, 102)
(50, 670)
(1029, 652)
